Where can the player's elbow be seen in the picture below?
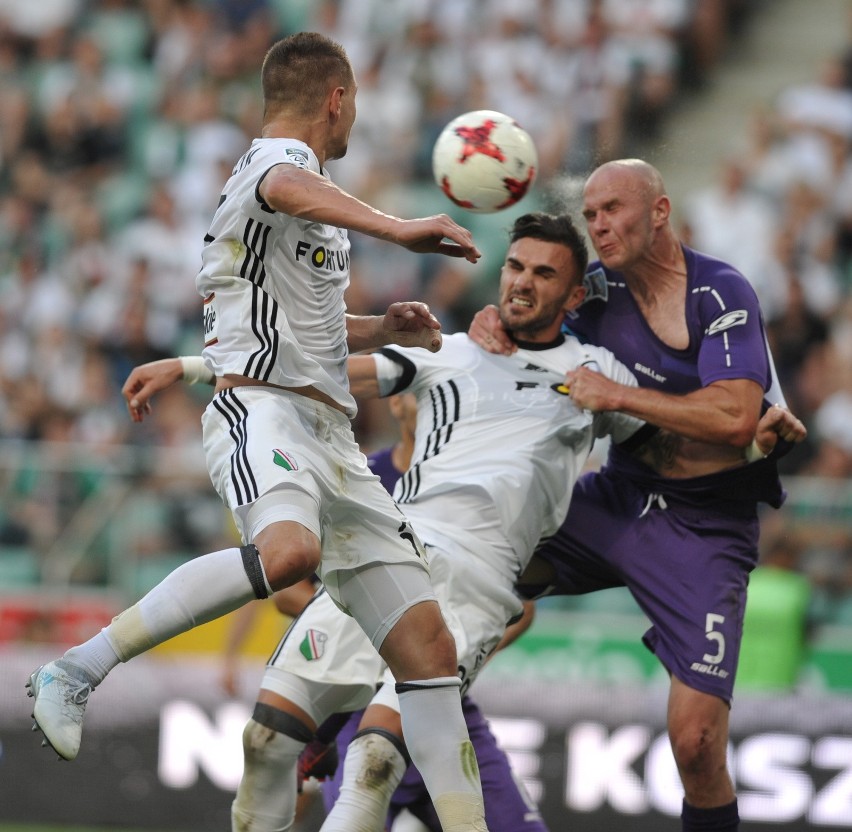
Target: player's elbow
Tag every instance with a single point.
(741, 430)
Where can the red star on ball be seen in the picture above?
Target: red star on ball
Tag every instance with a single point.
(478, 140)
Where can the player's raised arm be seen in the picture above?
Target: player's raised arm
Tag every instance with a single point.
(309, 196)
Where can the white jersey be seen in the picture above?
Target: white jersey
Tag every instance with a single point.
(273, 284)
(499, 444)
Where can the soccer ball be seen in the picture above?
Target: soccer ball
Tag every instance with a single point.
(484, 161)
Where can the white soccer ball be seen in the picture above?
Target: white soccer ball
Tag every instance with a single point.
(484, 161)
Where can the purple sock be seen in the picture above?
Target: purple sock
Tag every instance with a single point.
(717, 819)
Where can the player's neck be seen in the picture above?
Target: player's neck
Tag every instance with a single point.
(311, 133)
(661, 273)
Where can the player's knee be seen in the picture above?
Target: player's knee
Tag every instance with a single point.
(382, 759)
(271, 735)
(421, 645)
(287, 561)
(445, 653)
(699, 749)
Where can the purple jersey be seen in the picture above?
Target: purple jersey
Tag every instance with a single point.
(381, 464)
(684, 547)
(727, 340)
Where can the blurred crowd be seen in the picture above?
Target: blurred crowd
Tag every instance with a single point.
(121, 119)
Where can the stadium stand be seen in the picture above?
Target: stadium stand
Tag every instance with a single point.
(120, 120)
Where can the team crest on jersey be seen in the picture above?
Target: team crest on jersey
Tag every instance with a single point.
(285, 460)
(299, 156)
(313, 645)
(596, 285)
(736, 318)
(562, 389)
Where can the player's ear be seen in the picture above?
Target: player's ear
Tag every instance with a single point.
(662, 210)
(335, 103)
(575, 297)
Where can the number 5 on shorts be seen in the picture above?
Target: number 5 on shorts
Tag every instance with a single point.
(712, 620)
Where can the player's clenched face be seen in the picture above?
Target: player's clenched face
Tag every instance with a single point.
(619, 208)
(539, 283)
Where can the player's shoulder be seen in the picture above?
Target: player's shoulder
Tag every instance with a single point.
(591, 355)
(706, 271)
(455, 351)
(265, 152)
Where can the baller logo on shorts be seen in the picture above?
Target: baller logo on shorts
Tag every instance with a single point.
(284, 459)
(709, 670)
(313, 645)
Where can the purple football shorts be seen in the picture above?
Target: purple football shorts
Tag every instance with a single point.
(686, 566)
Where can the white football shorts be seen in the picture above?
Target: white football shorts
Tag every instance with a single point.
(476, 601)
(324, 663)
(274, 455)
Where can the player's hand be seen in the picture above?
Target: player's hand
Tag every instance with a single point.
(591, 390)
(430, 234)
(487, 330)
(146, 380)
(411, 324)
(778, 422)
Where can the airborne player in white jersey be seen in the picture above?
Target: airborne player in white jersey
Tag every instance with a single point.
(278, 436)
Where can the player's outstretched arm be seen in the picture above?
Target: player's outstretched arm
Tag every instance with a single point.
(307, 195)
(147, 379)
(406, 324)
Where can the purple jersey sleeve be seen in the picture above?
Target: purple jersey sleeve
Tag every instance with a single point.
(724, 318)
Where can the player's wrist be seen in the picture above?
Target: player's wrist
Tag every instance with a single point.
(754, 452)
(195, 371)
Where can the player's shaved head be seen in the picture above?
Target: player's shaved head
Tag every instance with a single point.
(634, 174)
(299, 70)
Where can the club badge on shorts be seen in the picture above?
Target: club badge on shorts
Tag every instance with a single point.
(313, 645)
(285, 460)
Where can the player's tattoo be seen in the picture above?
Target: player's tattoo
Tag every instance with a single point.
(661, 450)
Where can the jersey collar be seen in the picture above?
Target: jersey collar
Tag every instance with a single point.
(533, 346)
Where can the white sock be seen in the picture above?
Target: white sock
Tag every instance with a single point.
(196, 592)
(95, 658)
(437, 739)
(266, 796)
(372, 769)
